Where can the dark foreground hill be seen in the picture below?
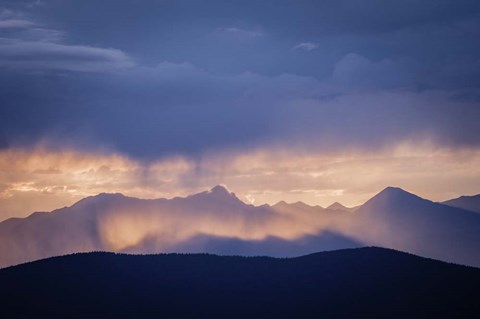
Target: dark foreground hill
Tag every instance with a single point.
(353, 283)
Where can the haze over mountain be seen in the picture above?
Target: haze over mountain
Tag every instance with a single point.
(216, 221)
(338, 206)
(466, 202)
(404, 221)
(354, 283)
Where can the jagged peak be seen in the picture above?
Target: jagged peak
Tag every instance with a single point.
(218, 192)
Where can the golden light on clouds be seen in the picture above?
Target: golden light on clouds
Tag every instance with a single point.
(41, 180)
(121, 230)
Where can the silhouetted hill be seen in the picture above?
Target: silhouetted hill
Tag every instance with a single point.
(354, 283)
(471, 203)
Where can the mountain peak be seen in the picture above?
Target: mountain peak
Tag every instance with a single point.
(219, 192)
(220, 189)
(337, 206)
(394, 196)
(301, 204)
(298, 204)
(394, 191)
(110, 195)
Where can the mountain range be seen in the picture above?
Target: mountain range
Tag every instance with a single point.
(216, 221)
(352, 283)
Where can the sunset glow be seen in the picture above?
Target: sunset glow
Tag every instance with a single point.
(239, 127)
(239, 159)
(42, 180)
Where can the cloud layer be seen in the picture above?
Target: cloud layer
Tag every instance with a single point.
(30, 46)
(231, 79)
(195, 81)
(42, 180)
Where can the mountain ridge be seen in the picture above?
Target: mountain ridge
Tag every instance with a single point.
(218, 190)
(471, 203)
(217, 221)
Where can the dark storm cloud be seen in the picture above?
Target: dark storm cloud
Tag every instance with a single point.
(25, 44)
(155, 78)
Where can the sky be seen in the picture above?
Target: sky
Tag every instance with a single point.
(314, 101)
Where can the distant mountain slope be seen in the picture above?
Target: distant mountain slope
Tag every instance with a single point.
(225, 224)
(397, 219)
(216, 221)
(471, 203)
(356, 283)
(271, 246)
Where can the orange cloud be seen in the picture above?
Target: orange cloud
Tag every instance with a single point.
(41, 180)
